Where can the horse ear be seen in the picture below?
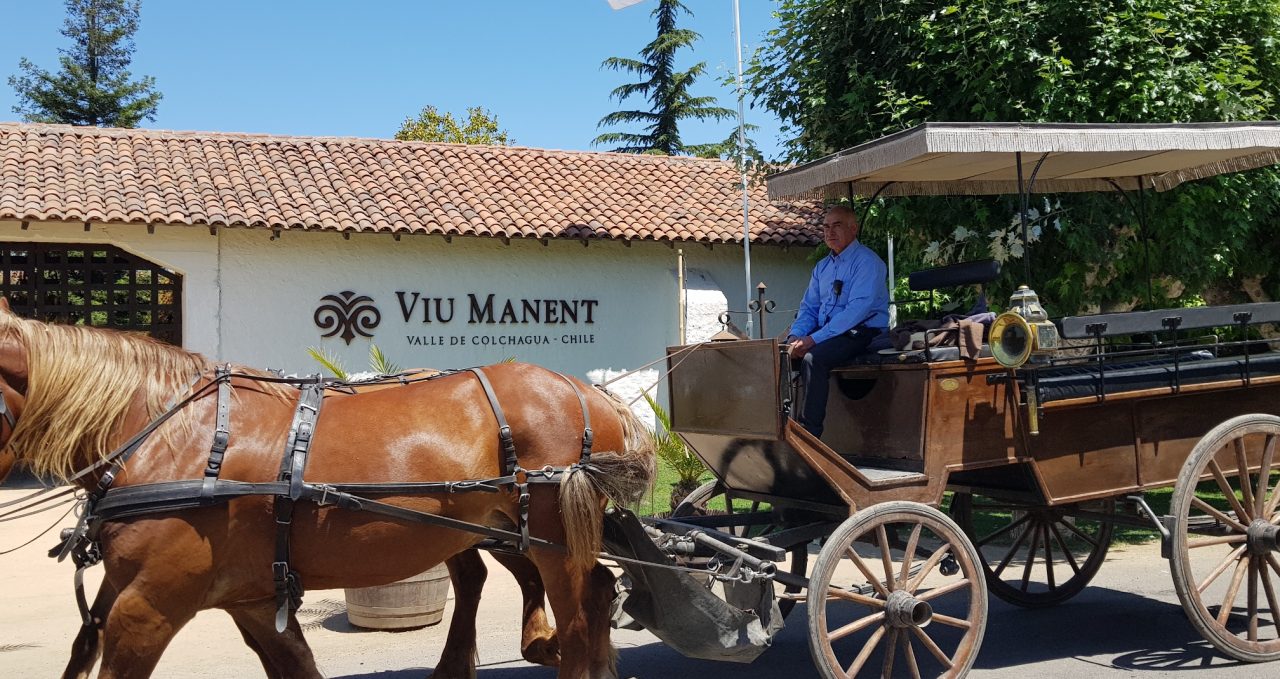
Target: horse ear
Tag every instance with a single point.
(4, 305)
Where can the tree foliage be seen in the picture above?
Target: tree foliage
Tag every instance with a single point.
(668, 92)
(843, 72)
(94, 86)
(480, 127)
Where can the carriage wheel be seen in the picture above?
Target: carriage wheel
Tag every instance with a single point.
(872, 607)
(1226, 563)
(1033, 556)
(696, 504)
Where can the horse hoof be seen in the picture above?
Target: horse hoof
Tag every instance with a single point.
(543, 652)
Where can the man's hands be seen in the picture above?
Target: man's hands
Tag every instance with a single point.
(799, 346)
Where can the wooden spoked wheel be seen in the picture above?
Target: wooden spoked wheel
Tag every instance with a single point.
(701, 502)
(1225, 561)
(1033, 555)
(877, 609)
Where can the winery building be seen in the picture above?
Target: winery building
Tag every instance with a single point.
(253, 248)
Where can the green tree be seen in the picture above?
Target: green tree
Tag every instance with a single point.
(94, 86)
(840, 72)
(481, 127)
(667, 91)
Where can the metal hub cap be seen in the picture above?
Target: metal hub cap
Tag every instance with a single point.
(903, 610)
(1262, 537)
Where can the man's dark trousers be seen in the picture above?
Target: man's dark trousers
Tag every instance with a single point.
(815, 373)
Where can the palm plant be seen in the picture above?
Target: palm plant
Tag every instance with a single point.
(378, 362)
(673, 452)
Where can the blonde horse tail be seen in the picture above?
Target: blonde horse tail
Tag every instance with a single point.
(619, 476)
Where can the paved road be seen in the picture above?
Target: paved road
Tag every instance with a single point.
(1128, 622)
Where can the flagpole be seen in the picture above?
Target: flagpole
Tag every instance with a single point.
(742, 168)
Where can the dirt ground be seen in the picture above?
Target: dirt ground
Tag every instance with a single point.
(1129, 621)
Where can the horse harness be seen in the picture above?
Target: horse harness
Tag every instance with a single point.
(7, 414)
(105, 503)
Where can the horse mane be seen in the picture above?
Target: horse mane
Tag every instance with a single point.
(81, 382)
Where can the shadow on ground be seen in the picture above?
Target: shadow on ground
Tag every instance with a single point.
(1106, 627)
(1139, 634)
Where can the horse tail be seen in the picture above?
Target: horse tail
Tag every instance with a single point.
(619, 476)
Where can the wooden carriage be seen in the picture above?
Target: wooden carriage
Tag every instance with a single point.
(939, 479)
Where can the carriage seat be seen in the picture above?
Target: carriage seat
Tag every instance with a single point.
(953, 275)
(1197, 367)
(1083, 380)
(928, 280)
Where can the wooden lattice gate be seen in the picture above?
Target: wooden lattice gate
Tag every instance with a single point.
(92, 284)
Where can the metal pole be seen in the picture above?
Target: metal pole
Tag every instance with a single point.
(684, 302)
(893, 304)
(742, 167)
(1146, 240)
(1022, 213)
(760, 307)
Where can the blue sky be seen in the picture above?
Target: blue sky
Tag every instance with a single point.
(344, 68)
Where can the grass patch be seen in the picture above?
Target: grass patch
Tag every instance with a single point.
(1159, 501)
(988, 522)
(658, 499)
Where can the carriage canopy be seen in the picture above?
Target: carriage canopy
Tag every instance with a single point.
(983, 158)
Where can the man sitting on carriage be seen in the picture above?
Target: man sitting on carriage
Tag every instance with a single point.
(845, 307)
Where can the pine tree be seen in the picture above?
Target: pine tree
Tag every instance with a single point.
(667, 91)
(93, 87)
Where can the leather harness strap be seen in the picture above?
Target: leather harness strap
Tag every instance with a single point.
(288, 584)
(507, 443)
(587, 435)
(167, 496)
(221, 434)
(290, 486)
(73, 545)
(508, 464)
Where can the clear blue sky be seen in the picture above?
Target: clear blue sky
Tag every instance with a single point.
(358, 68)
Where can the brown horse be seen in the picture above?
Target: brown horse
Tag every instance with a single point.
(80, 392)
(538, 643)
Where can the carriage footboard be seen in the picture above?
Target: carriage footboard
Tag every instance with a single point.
(679, 609)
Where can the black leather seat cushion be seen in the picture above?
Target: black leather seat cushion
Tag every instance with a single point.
(1075, 381)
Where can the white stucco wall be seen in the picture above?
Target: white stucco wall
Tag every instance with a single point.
(249, 299)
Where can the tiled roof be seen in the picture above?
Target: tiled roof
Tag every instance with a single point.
(64, 173)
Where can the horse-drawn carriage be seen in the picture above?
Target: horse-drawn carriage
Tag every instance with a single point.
(1038, 446)
(1036, 453)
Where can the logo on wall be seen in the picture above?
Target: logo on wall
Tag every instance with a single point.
(349, 314)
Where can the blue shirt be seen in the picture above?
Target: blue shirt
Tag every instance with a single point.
(846, 290)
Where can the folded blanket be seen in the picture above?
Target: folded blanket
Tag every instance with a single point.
(966, 332)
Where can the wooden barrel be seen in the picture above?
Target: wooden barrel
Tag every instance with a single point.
(413, 602)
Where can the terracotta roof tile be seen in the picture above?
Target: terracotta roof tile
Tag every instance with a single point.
(64, 173)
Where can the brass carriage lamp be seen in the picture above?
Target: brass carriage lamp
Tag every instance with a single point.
(1024, 334)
